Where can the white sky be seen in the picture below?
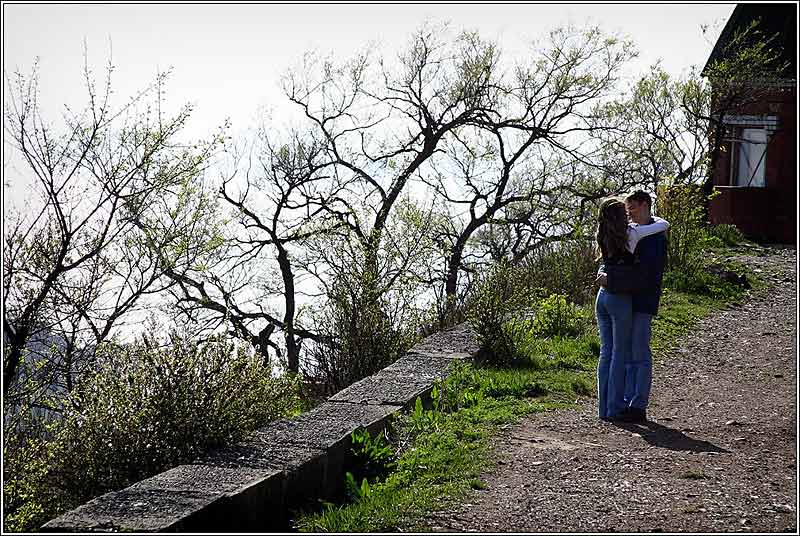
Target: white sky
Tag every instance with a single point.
(228, 59)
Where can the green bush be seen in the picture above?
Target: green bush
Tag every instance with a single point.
(363, 335)
(555, 317)
(499, 296)
(146, 407)
(712, 242)
(689, 241)
(28, 500)
(567, 268)
(374, 458)
(571, 353)
(683, 206)
(702, 283)
(730, 235)
(461, 389)
(505, 309)
(374, 455)
(551, 317)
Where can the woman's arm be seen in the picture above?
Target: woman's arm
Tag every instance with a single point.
(637, 232)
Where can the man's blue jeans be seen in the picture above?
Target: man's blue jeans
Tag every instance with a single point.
(614, 319)
(639, 369)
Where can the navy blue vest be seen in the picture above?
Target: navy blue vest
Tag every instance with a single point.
(652, 253)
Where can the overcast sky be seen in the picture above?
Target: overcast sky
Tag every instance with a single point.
(228, 59)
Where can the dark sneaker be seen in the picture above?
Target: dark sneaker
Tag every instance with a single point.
(632, 414)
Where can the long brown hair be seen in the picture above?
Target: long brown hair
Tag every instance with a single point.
(612, 228)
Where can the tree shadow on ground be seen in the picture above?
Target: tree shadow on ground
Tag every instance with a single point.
(662, 436)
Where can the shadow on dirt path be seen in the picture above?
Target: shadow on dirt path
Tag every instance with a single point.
(669, 438)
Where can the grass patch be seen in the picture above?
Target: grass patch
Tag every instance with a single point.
(678, 313)
(478, 484)
(694, 475)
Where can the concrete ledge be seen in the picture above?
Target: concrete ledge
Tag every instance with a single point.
(187, 497)
(328, 424)
(304, 469)
(399, 384)
(385, 387)
(423, 366)
(457, 342)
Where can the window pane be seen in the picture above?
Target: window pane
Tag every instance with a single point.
(750, 171)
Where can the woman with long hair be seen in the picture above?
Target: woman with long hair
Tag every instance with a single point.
(616, 243)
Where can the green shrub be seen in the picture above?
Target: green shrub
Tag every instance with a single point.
(702, 283)
(374, 455)
(729, 235)
(683, 206)
(552, 318)
(690, 239)
(567, 268)
(571, 353)
(505, 311)
(461, 388)
(373, 459)
(555, 317)
(144, 409)
(364, 336)
(500, 295)
(28, 500)
(712, 242)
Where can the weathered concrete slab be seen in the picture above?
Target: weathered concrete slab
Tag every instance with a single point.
(252, 499)
(421, 365)
(386, 388)
(256, 453)
(138, 510)
(305, 469)
(458, 342)
(327, 425)
(185, 498)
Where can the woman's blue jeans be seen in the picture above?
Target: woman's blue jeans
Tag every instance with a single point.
(639, 371)
(614, 318)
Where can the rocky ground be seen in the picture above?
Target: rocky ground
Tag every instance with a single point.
(718, 455)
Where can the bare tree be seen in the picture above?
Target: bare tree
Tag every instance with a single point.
(79, 264)
(676, 128)
(282, 204)
(383, 122)
(510, 161)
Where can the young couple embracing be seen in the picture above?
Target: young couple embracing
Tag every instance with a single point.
(632, 245)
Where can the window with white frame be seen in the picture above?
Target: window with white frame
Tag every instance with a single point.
(749, 157)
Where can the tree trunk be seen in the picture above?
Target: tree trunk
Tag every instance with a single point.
(454, 262)
(292, 350)
(451, 282)
(11, 362)
(10, 367)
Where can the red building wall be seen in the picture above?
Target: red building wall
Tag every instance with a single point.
(770, 213)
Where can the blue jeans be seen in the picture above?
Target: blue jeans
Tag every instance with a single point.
(639, 369)
(614, 318)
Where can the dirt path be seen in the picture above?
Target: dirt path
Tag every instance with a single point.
(718, 456)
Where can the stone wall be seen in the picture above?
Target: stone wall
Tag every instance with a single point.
(254, 484)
